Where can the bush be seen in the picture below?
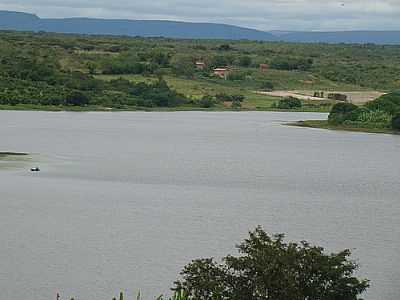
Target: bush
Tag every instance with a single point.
(267, 86)
(291, 63)
(289, 103)
(77, 98)
(236, 104)
(389, 103)
(367, 116)
(341, 112)
(207, 102)
(396, 122)
(237, 75)
(270, 268)
(225, 97)
(245, 61)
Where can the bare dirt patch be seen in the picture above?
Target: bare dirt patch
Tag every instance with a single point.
(358, 97)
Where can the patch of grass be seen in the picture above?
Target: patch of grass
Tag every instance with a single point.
(324, 124)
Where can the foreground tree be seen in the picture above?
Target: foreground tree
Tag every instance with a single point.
(269, 268)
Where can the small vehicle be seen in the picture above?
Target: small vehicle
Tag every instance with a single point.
(36, 169)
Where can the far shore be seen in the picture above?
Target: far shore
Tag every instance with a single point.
(93, 108)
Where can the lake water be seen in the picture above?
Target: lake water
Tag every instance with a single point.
(125, 200)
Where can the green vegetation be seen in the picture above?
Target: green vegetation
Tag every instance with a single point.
(380, 116)
(380, 113)
(269, 268)
(289, 103)
(73, 72)
(324, 124)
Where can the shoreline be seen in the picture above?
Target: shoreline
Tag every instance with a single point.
(52, 108)
(323, 124)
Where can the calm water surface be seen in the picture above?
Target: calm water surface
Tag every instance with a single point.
(125, 200)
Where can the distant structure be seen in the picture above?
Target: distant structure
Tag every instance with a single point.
(221, 72)
(338, 97)
(200, 65)
(319, 94)
(264, 67)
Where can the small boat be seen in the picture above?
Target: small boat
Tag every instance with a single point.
(36, 169)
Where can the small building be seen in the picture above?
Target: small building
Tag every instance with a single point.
(338, 97)
(200, 65)
(221, 72)
(264, 67)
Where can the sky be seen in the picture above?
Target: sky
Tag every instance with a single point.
(307, 15)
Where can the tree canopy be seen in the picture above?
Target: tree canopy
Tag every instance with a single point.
(268, 268)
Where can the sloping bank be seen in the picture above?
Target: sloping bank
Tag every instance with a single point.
(381, 115)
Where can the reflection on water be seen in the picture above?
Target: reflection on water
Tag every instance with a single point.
(124, 200)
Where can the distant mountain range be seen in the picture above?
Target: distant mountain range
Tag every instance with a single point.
(152, 28)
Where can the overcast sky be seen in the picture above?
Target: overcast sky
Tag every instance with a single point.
(261, 14)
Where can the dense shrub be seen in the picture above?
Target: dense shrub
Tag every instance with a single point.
(267, 86)
(207, 102)
(389, 103)
(156, 94)
(291, 63)
(270, 268)
(236, 104)
(370, 116)
(341, 112)
(396, 122)
(225, 97)
(77, 98)
(237, 75)
(289, 103)
(245, 61)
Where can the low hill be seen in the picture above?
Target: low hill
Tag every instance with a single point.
(145, 28)
(172, 29)
(350, 37)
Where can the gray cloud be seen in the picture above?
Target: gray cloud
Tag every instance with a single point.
(261, 14)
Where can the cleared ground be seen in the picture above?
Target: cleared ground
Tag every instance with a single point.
(358, 97)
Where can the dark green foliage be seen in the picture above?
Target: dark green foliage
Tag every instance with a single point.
(184, 66)
(225, 47)
(76, 98)
(343, 108)
(245, 61)
(267, 86)
(341, 112)
(156, 94)
(221, 60)
(269, 268)
(291, 63)
(207, 102)
(120, 67)
(396, 122)
(236, 104)
(237, 75)
(289, 103)
(379, 113)
(389, 103)
(226, 97)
